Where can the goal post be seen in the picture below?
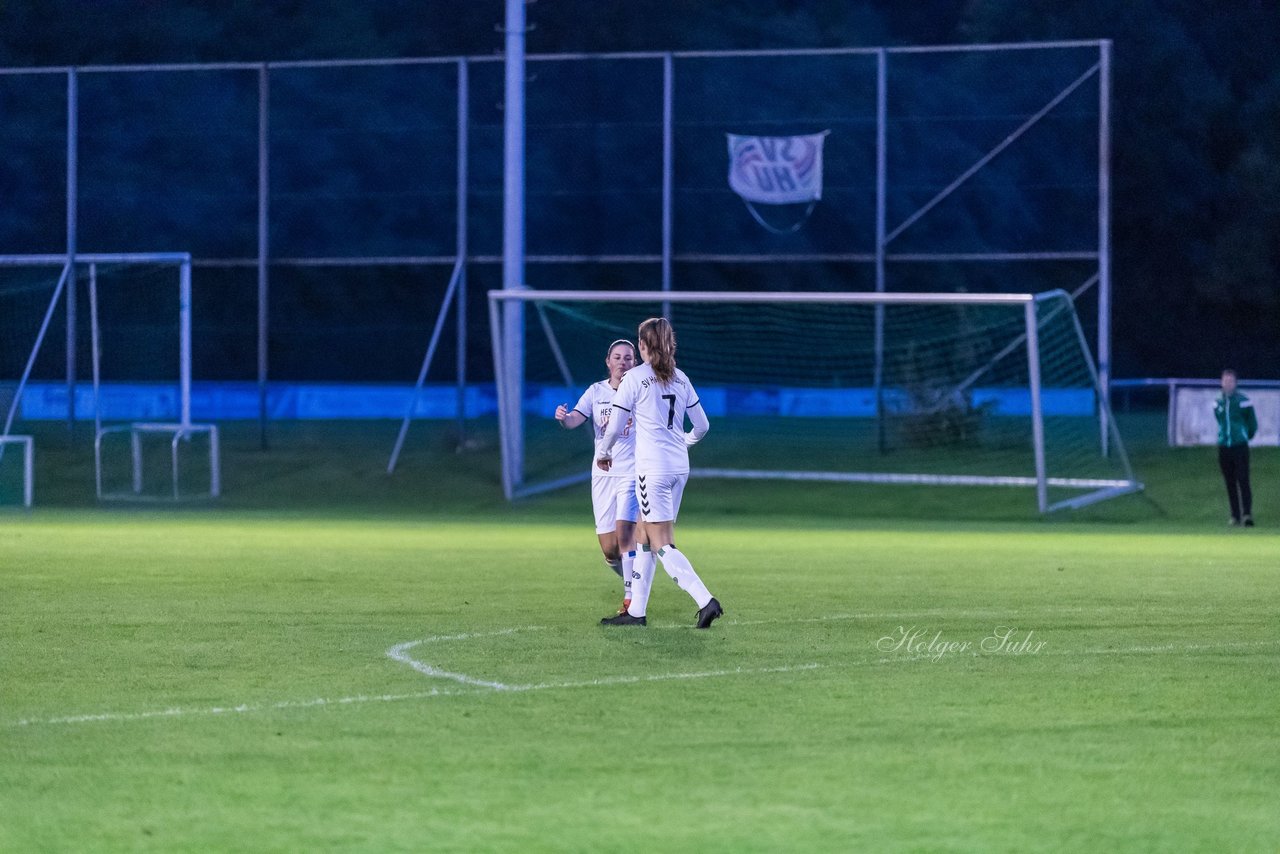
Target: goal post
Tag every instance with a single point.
(976, 389)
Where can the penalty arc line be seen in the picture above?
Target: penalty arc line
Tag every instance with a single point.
(400, 653)
(247, 708)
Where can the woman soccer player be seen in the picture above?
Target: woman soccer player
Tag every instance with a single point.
(613, 492)
(659, 396)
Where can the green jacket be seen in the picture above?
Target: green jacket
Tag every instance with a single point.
(1237, 422)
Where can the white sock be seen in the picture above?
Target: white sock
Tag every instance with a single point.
(679, 568)
(628, 566)
(642, 581)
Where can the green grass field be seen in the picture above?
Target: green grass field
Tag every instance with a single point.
(331, 660)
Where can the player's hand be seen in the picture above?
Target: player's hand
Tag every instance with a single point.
(562, 412)
(604, 463)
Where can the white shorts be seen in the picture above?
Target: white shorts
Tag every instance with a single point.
(613, 499)
(659, 496)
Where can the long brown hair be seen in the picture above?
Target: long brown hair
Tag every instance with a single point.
(659, 339)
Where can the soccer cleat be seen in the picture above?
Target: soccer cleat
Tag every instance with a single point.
(1233, 522)
(708, 614)
(1248, 521)
(626, 603)
(624, 619)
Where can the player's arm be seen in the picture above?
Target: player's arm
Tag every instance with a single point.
(579, 415)
(697, 417)
(569, 418)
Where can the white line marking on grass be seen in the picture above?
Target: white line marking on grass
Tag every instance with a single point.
(1002, 613)
(401, 655)
(244, 708)
(400, 652)
(1167, 647)
(666, 677)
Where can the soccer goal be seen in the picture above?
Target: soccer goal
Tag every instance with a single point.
(928, 389)
(140, 326)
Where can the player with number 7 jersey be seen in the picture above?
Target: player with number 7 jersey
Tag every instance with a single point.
(658, 411)
(659, 397)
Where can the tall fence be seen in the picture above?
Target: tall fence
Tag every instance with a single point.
(327, 204)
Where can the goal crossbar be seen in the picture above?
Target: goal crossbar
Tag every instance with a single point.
(862, 297)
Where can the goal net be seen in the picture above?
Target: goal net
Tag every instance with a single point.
(927, 389)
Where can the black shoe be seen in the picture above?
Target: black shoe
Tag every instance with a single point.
(1248, 521)
(623, 619)
(1234, 522)
(708, 614)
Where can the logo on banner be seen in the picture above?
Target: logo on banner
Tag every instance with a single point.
(777, 170)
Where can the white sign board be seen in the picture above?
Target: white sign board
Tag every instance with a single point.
(776, 170)
(1191, 420)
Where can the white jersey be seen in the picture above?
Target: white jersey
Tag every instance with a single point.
(596, 404)
(658, 410)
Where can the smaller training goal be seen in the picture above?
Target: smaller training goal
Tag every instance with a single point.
(140, 324)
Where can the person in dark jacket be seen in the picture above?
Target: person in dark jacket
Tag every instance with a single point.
(1237, 424)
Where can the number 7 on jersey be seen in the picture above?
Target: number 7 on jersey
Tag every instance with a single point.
(671, 408)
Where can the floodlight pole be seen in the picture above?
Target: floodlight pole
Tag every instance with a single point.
(73, 112)
(1104, 242)
(513, 236)
(264, 193)
(668, 165)
(464, 120)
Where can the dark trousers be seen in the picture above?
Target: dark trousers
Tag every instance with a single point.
(1234, 462)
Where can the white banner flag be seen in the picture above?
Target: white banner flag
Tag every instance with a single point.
(776, 170)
